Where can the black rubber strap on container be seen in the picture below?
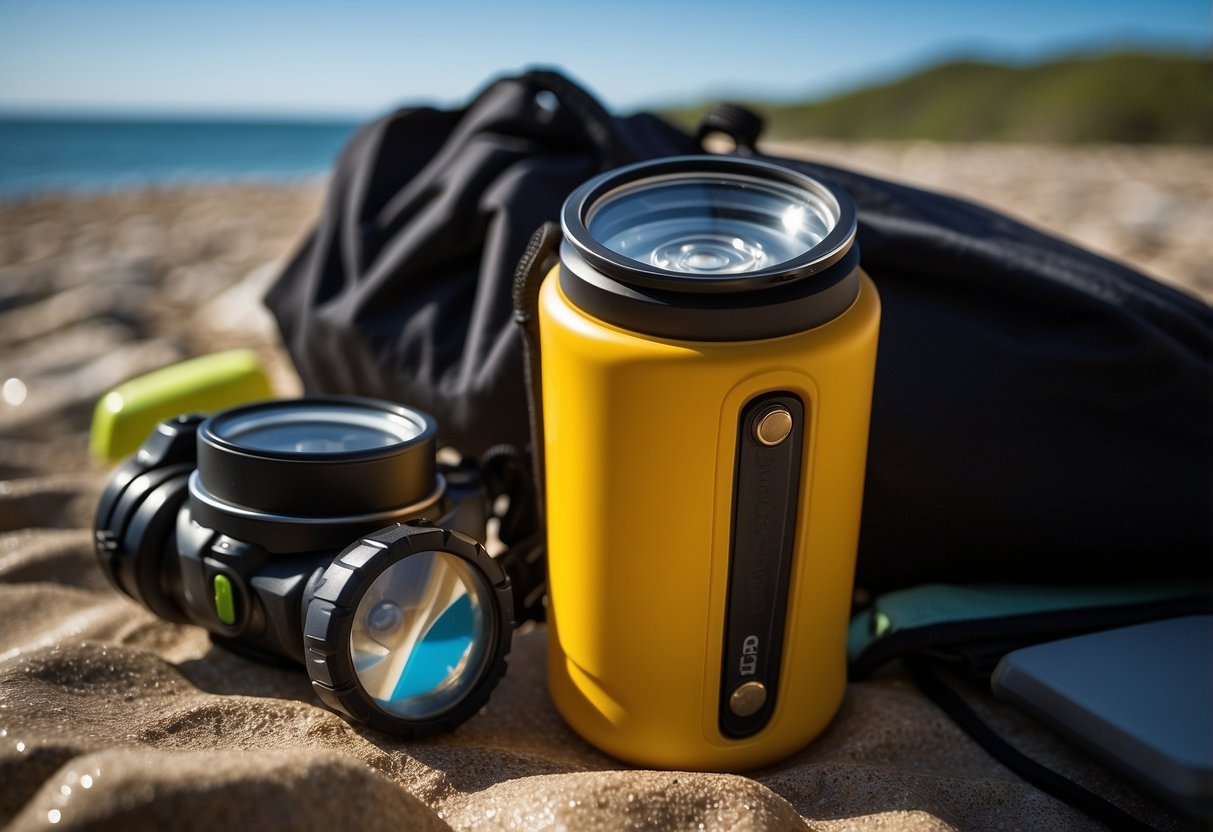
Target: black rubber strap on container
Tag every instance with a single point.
(1045, 779)
(542, 252)
(528, 559)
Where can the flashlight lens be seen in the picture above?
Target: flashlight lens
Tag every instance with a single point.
(709, 225)
(421, 634)
(317, 428)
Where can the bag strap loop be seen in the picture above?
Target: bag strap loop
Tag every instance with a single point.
(739, 123)
(592, 117)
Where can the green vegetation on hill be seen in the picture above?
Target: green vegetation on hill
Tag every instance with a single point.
(1127, 97)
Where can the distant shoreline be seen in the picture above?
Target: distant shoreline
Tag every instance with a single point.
(1121, 96)
(83, 155)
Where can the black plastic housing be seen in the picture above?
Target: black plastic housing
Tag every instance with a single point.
(161, 544)
(330, 615)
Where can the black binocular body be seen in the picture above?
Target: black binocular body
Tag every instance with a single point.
(324, 532)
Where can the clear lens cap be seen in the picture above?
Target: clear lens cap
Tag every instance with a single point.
(317, 428)
(713, 225)
(710, 248)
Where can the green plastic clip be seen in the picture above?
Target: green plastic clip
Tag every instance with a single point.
(126, 415)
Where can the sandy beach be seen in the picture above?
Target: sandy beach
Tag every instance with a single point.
(112, 718)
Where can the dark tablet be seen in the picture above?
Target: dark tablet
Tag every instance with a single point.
(1139, 698)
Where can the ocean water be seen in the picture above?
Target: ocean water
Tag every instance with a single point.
(58, 154)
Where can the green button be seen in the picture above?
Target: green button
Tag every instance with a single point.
(225, 600)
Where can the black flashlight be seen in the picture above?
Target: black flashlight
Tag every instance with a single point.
(321, 531)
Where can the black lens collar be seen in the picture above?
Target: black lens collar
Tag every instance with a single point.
(291, 533)
(793, 296)
(634, 273)
(322, 485)
(743, 316)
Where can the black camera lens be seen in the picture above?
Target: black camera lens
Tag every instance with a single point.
(320, 530)
(302, 473)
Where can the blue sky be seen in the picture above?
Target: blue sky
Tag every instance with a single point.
(360, 57)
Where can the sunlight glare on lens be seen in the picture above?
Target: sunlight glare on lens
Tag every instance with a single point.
(793, 218)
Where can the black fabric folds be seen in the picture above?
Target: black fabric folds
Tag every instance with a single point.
(1041, 414)
(403, 290)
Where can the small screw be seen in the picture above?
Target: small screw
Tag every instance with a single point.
(774, 426)
(748, 698)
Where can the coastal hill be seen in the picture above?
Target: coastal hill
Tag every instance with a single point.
(1129, 97)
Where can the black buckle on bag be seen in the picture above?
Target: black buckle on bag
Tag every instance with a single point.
(739, 123)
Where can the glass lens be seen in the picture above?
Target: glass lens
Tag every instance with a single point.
(710, 225)
(421, 634)
(317, 429)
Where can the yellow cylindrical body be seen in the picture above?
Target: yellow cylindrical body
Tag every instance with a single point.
(640, 440)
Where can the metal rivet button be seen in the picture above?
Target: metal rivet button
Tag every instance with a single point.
(773, 426)
(748, 698)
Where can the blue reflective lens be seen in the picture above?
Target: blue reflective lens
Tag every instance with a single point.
(439, 652)
(421, 635)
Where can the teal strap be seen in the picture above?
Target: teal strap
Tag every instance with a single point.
(937, 604)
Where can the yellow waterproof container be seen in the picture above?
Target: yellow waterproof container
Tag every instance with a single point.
(708, 346)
